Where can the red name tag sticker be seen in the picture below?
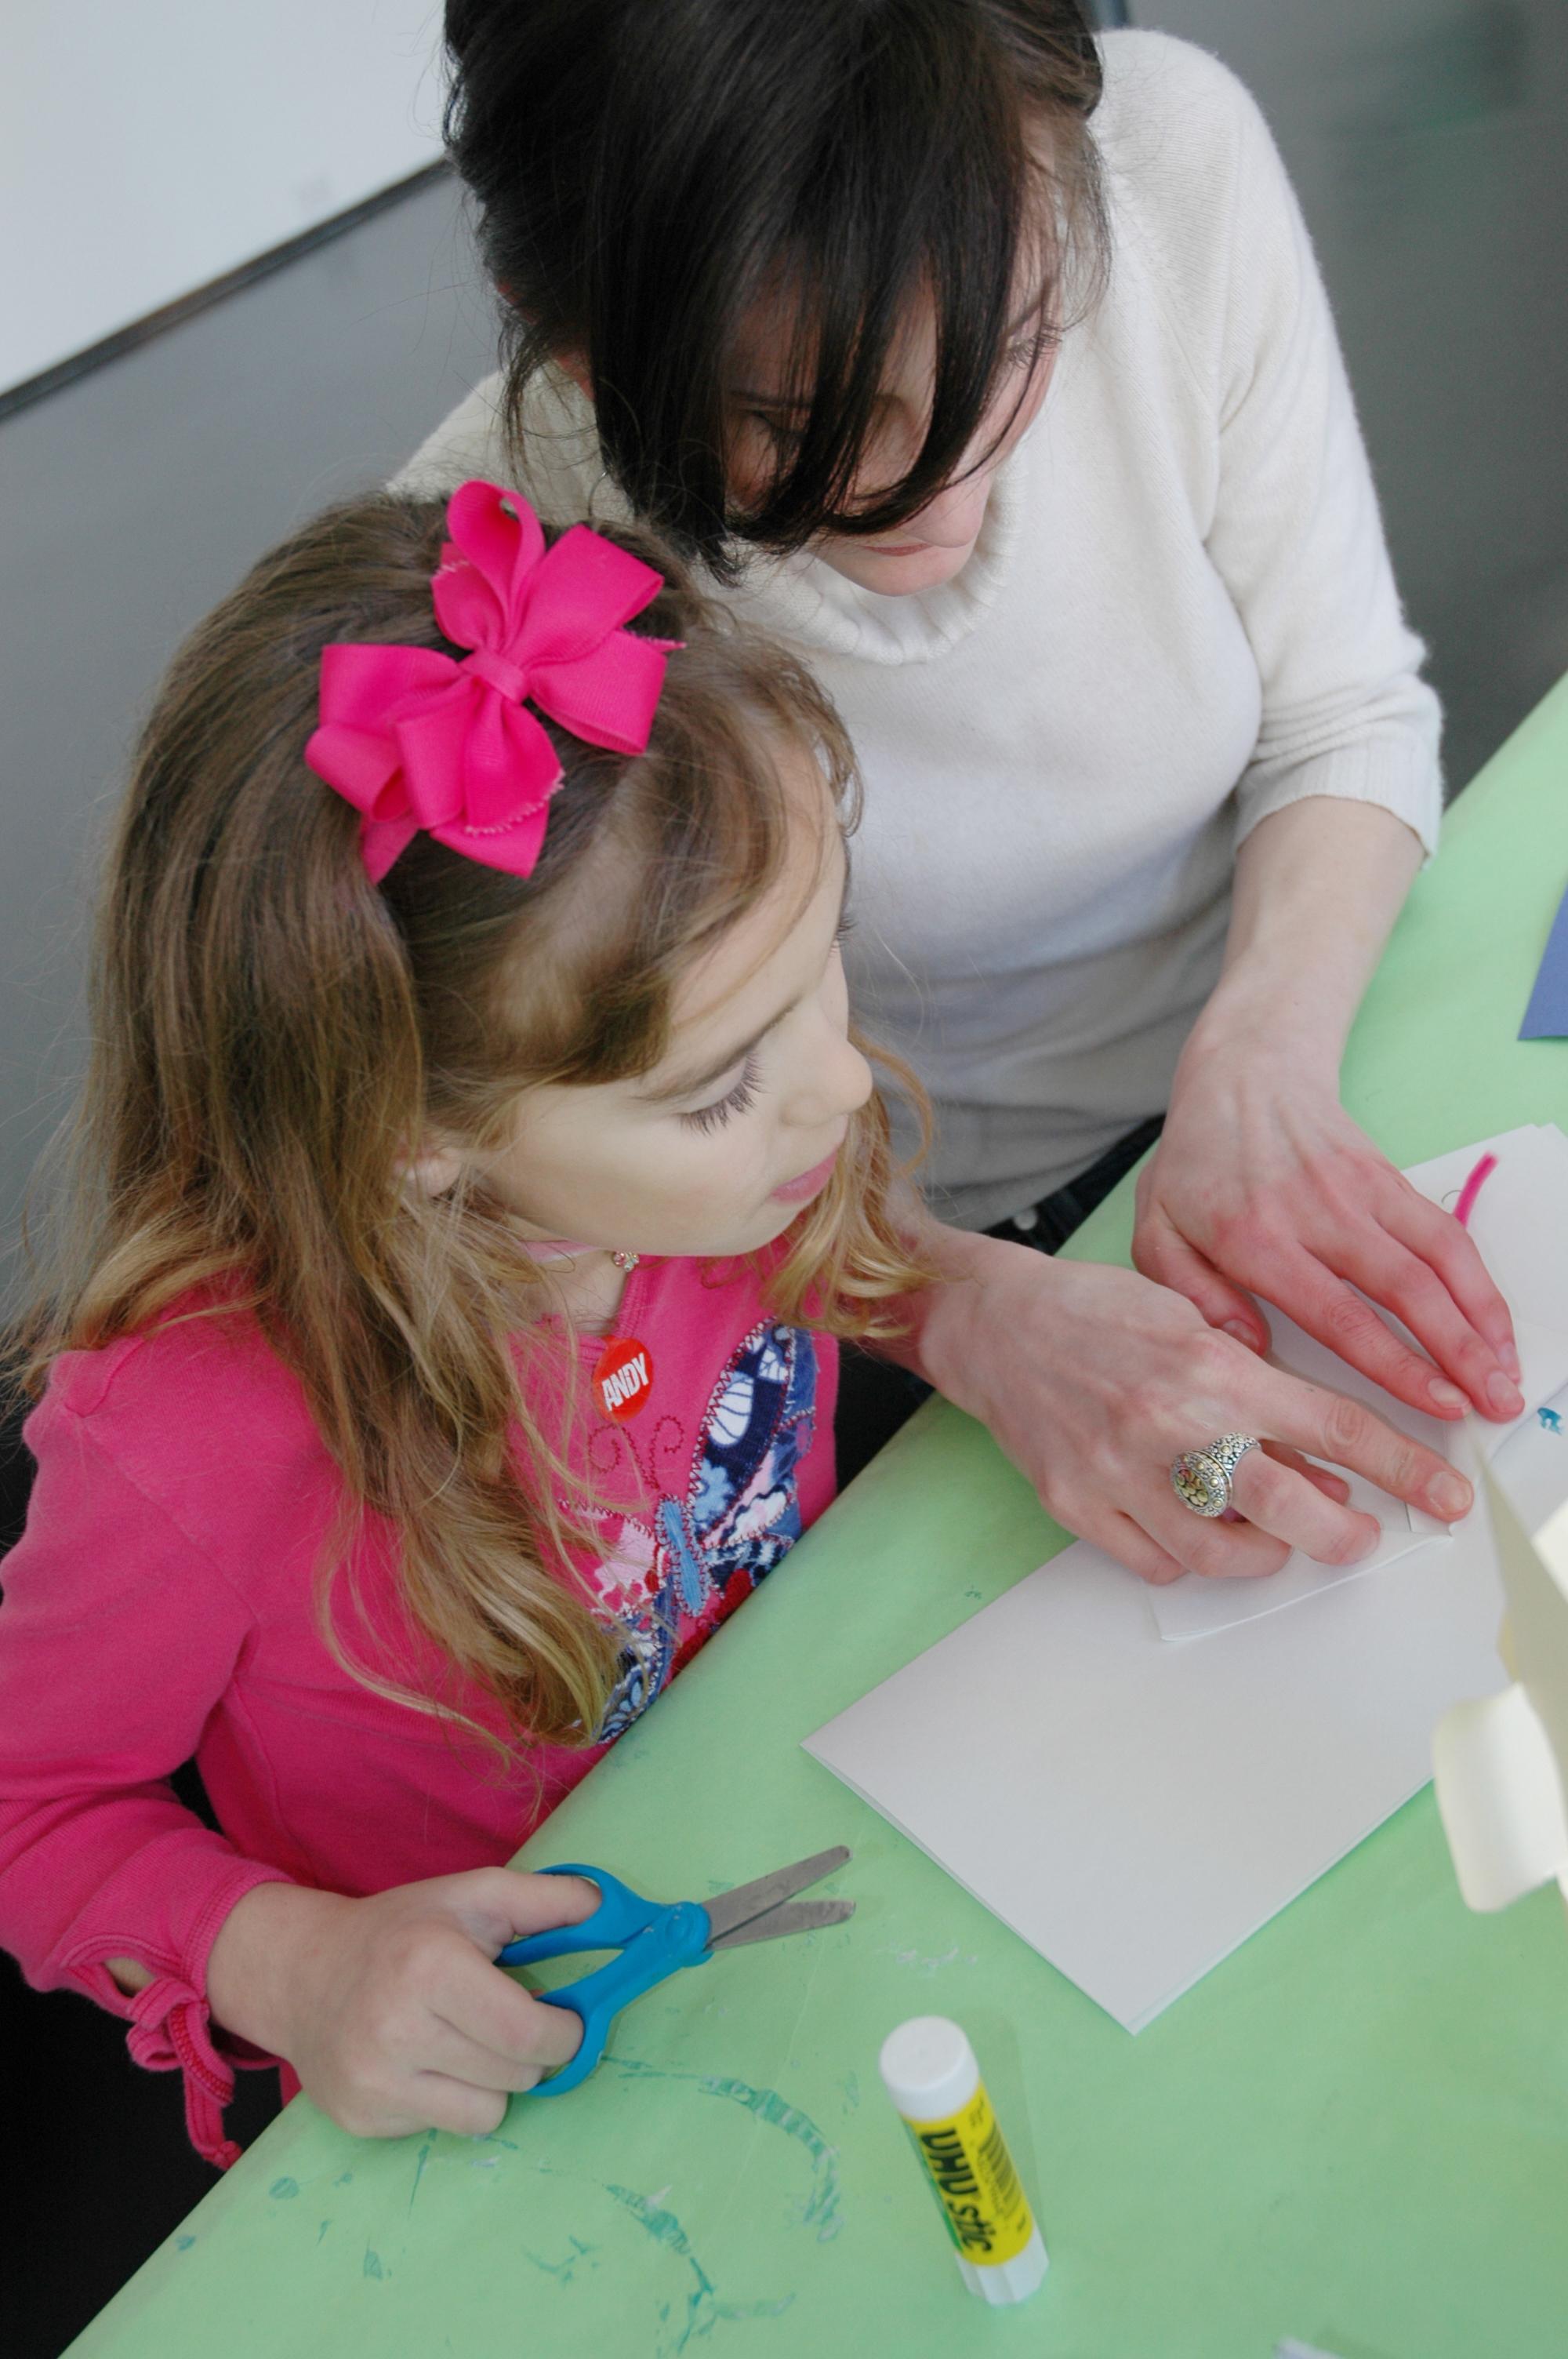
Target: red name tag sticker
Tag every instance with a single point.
(624, 1378)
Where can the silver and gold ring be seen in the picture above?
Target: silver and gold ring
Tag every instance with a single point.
(1201, 1479)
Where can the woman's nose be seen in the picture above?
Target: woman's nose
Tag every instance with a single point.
(952, 519)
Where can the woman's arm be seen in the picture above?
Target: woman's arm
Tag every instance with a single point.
(1093, 1379)
(1262, 1182)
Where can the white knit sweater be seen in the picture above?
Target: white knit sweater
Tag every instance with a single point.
(1179, 618)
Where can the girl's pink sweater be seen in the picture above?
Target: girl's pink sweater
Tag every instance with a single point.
(163, 1605)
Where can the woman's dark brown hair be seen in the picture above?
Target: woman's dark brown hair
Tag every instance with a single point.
(647, 170)
(273, 1036)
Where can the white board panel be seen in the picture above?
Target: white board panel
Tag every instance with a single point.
(147, 149)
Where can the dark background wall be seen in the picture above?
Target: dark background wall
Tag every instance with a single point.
(130, 501)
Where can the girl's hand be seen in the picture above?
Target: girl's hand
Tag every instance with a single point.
(1263, 1182)
(1093, 1380)
(391, 2009)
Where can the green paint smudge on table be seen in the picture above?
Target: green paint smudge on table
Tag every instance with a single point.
(420, 2159)
(666, 2230)
(766, 2105)
(703, 2308)
(563, 2270)
(661, 2225)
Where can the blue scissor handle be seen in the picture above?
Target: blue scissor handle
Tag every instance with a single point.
(653, 1940)
(621, 1913)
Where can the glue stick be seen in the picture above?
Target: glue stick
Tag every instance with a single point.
(929, 2071)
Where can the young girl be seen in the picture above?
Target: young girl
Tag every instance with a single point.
(477, 1169)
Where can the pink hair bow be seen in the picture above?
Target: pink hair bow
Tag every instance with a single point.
(415, 739)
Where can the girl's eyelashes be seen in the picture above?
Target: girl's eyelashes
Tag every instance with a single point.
(845, 927)
(739, 1100)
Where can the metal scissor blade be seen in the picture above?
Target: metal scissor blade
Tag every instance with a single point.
(791, 1916)
(729, 1909)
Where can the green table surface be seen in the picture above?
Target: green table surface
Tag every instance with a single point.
(1353, 2131)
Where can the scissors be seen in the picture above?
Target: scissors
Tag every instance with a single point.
(655, 1940)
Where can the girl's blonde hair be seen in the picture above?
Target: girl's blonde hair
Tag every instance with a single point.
(272, 1034)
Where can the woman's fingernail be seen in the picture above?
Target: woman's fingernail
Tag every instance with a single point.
(1450, 1497)
(1447, 1395)
(1242, 1332)
(1504, 1397)
(1509, 1355)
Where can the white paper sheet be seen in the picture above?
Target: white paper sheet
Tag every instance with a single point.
(1134, 1809)
(1532, 1466)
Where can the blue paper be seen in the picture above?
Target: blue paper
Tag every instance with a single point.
(1546, 1018)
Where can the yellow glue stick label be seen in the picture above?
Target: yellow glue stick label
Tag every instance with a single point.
(969, 2165)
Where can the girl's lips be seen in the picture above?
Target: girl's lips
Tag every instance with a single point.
(796, 1192)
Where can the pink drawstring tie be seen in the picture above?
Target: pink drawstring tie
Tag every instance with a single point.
(169, 2034)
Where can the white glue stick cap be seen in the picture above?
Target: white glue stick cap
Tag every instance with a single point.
(928, 2068)
(929, 2071)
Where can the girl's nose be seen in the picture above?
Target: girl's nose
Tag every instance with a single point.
(840, 1082)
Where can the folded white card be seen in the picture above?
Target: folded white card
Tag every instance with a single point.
(1133, 1809)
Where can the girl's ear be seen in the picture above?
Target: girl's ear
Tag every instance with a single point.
(433, 1170)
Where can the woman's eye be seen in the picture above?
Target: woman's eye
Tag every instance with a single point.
(785, 439)
(1033, 349)
(739, 1100)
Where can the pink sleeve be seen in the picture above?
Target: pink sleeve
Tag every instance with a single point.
(116, 1640)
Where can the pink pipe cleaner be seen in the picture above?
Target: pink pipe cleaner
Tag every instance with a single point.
(1472, 1189)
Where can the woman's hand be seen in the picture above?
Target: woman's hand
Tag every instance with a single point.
(391, 2009)
(1261, 1182)
(1093, 1380)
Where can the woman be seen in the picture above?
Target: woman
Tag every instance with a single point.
(1031, 431)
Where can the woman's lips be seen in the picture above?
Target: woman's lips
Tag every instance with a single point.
(796, 1192)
